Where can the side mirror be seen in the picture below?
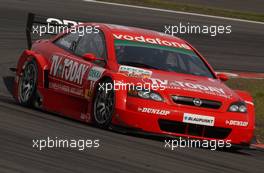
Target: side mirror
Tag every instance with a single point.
(223, 77)
(91, 57)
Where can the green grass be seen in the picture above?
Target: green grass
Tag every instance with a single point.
(256, 88)
(193, 8)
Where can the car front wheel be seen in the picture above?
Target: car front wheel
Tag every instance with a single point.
(103, 107)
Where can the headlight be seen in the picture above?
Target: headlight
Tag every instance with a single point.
(156, 97)
(238, 107)
(146, 94)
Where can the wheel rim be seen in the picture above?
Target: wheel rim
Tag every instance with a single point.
(103, 107)
(27, 83)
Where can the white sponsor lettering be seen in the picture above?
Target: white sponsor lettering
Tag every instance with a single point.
(66, 89)
(154, 111)
(67, 69)
(237, 123)
(173, 84)
(152, 41)
(63, 21)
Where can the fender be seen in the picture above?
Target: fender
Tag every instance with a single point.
(43, 66)
(244, 95)
(120, 95)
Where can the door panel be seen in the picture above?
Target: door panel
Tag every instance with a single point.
(69, 72)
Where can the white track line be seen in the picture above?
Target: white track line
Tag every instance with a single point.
(176, 12)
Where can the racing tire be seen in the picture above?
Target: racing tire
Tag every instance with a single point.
(27, 85)
(103, 105)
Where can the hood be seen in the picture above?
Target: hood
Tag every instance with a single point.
(171, 83)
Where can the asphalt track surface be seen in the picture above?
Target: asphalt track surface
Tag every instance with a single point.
(117, 152)
(255, 6)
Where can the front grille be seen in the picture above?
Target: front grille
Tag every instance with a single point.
(190, 101)
(194, 129)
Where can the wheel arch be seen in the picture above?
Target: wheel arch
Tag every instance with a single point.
(42, 63)
(120, 95)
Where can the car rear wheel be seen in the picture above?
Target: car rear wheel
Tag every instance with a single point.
(27, 84)
(103, 107)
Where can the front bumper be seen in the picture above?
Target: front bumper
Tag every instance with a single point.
(172, 124)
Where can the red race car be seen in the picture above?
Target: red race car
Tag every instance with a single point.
(133, 78)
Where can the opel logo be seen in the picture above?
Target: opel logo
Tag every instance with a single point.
(197, 102)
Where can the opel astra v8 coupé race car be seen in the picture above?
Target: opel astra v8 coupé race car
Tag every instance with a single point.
(101, 78)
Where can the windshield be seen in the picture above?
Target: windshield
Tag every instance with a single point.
(158, 57)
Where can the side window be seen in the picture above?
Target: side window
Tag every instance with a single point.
(68, 41)
(92, 43)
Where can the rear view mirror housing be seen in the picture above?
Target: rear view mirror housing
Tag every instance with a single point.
(223, 77)
(91, 57)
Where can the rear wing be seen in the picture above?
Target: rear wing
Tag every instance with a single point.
(39, 27)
